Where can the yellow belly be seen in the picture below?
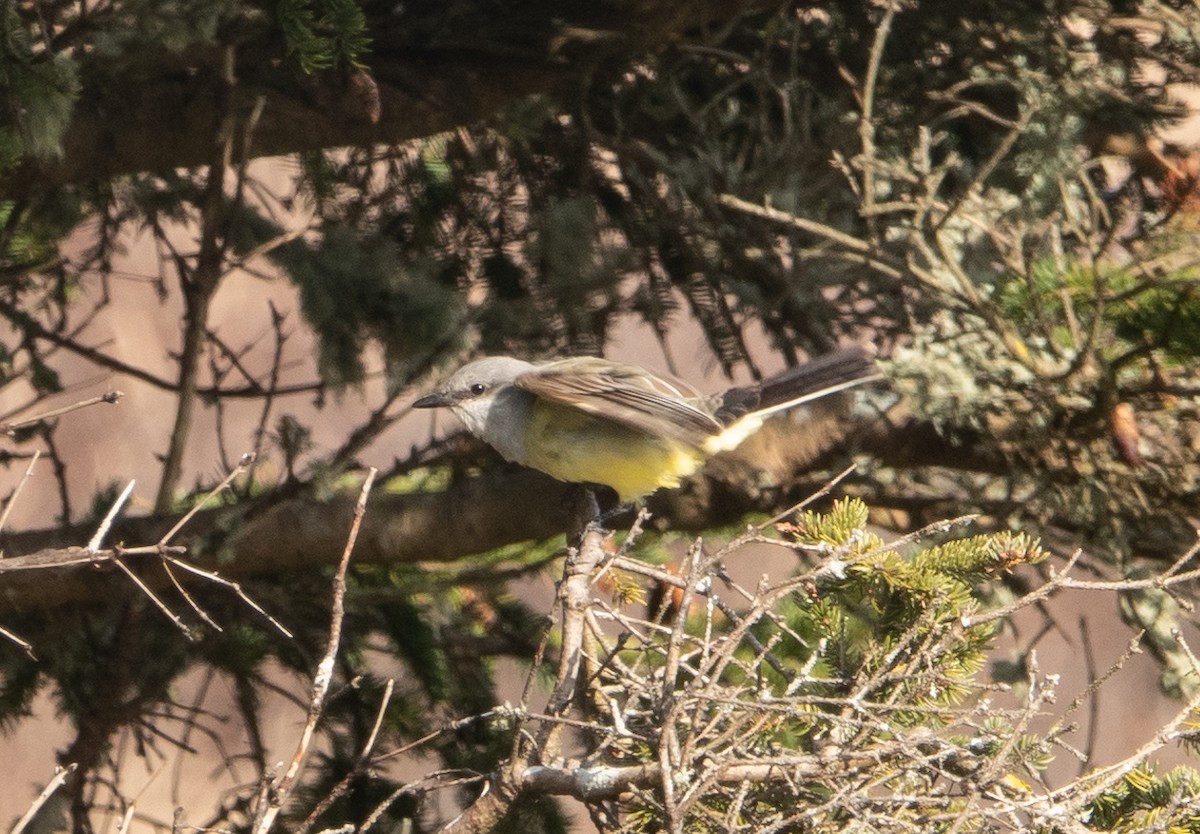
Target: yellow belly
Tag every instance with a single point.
(574, 446)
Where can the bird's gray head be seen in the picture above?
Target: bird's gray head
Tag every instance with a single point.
(471, 391)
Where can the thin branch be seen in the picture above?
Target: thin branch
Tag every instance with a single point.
(235, 359)
(438, 779)
(987, 167)
(449, 728)
(197, 609)
(233, 586)
(93, 546)
(199, 286)
(25, 645)
(825, 489)
(360, 767)
(1086, 789)
(10, 428)
(245, 461)
(60, 470)
(267, 247)
(162, 606)
(379, 420)
(866, 124)
(60, 776)
(260, 430)
(127, 819)
(37, 330)
(864, 252)
(1089, 658)
(369, 746)
(285, 784)
(12, 499)
(71, 556)
(219, 374)
(574, 599)
(1061, 580)
(590, 784)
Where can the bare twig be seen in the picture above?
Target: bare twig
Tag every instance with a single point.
(608, 782)
(574, 599)
(10, 428)
(360, 767)
(70, 556)
(93, 546)
(260, 430)
(60, 470)
(197, 609)
(233, 586)
(127, 819)
(98, 357)
(92, 553)
(449, 727)
(234, 358)
(1083, 791)
(816, 496)
(246, 460)
(866, 123)
(440, 779)
(863, 251)
(1093, 730)
(12, 499)
(218, 374)
(268, 246)
(24, 644)
(286, 783)
(1062, 580)
(199, 281)
(60, 776)
(162, 606)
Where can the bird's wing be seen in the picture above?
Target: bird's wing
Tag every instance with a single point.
(624, 394)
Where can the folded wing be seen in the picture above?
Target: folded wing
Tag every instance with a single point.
(625, 395)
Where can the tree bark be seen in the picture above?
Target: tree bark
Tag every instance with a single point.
(159, 111)
(501, 507)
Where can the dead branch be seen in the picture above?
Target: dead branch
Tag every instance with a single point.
(574, 601)
(12, 499)
(94, 542)
(60, 776)
(282, 789)
(10, 428)
(360, 767)
(501, 507)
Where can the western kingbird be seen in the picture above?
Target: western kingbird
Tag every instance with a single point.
(589, 420)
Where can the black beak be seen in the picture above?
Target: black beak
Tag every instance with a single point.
(434, 400)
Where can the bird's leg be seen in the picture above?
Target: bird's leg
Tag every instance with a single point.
(606, 505)
(630, 509)
(584, 514)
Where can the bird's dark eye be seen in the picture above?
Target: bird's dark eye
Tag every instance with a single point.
(477, 389)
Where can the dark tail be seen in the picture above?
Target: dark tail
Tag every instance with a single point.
(826, 374)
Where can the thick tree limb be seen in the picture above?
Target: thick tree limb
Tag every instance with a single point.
(157, 111)
(502, 507)
(300, 533)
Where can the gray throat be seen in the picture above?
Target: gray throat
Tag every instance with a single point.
(506, 421)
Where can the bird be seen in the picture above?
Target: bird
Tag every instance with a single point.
(594, 421)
